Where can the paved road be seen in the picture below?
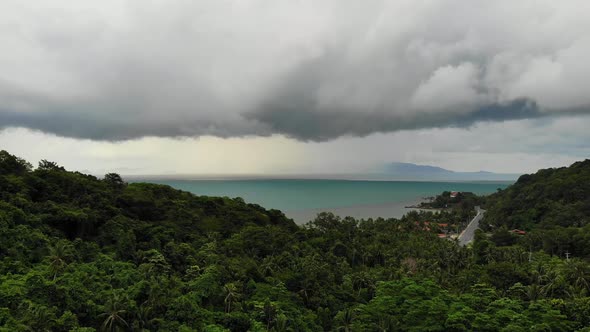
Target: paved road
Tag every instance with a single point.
(467, 235)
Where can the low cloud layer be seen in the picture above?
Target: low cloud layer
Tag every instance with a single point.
(312, 70)
(505, 147)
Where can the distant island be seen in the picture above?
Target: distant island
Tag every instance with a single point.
(408, 171)
(395, 171)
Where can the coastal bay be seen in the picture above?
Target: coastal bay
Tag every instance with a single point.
(303, 199)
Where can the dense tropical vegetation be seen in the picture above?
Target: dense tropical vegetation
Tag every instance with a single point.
(552, 206)
(78, 253)
(465, 201)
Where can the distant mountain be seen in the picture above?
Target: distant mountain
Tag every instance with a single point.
(408, 171)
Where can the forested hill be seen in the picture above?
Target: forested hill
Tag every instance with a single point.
(78, 253)
(550, 198)
(550, 209)
(76, 205)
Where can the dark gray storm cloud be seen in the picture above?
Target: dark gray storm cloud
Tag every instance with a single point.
(310, 124)
(313, 70)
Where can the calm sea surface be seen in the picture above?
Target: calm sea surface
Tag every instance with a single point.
(303, 199)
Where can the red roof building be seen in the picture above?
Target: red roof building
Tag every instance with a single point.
(425, 225)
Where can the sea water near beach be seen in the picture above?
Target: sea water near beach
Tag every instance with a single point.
(303, 199)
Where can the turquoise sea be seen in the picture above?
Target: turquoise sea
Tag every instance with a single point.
(303, 199)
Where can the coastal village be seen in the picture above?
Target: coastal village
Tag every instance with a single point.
(451, 227)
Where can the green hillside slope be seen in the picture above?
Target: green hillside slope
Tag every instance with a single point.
(546, 199)
(78, 253)
(552, 206)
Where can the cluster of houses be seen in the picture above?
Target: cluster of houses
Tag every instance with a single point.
(426, 226)
(446, 230)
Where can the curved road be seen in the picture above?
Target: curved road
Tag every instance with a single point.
(467, 235)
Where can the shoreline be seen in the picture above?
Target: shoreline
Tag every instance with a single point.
(363, 211)
(418, 207)
(381, 210)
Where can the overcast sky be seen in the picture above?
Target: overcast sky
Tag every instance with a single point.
(305, 86)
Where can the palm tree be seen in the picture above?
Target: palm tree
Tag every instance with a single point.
(232, 294)
(386, 323)
(144, 312)
(578, 274)
(59, 256)
(354, 253)
(281, 324)
(553, 282)
(268, 266)
(582, 277)
(270, 313)
(114, 315)
(362, 280)
(40, 318)
(345, 319)
(533, 292)
(489, 255)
